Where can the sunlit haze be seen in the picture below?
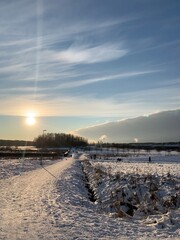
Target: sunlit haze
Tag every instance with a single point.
(31, 119)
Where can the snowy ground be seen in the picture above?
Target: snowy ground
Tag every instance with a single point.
(24, 199)
(52, 203)
(12, 167)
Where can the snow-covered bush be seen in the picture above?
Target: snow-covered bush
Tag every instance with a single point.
(132, 194)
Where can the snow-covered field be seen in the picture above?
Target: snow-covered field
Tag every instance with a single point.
(12, 167)
(53, 202)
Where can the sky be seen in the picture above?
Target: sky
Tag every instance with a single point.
(76, 63)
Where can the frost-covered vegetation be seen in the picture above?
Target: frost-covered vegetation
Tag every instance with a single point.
(134, 188)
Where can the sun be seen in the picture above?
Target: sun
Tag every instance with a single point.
(31, 119)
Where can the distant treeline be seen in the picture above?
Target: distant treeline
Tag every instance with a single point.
(15, 143)
(57, 140)
(145, 146)
(62, 140)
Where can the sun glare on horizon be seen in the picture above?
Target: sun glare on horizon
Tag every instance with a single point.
(30, 119)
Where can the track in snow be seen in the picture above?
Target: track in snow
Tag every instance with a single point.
(22, 198)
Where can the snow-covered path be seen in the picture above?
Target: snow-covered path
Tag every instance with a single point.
(23, 212)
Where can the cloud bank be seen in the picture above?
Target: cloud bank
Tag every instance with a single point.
(159, 127)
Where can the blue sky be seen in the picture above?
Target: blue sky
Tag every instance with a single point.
(76, 63)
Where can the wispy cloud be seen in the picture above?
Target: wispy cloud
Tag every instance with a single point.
(81, 29)
(142, 45)
(11, 69)
(104, 78)
(91, 54)
(62, 106)
(147, 99)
